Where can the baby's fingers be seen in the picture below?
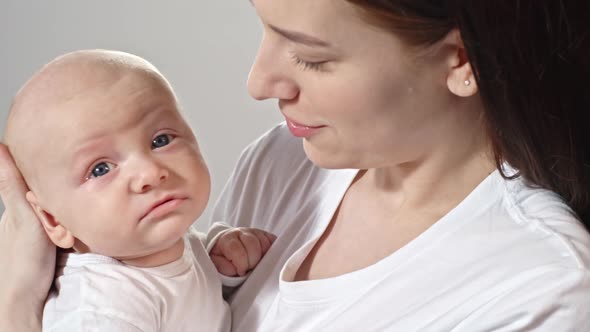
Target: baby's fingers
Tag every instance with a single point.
(230, 246)
(253, 247)
(266, 239)
(224, 266)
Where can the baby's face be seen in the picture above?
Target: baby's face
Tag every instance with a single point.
(121, 169)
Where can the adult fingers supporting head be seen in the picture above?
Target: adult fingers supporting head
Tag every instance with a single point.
(26, 280)
(12, 185)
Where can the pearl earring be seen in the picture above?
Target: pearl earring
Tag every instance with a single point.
(467, 82)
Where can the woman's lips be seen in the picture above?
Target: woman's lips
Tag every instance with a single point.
(301, 130)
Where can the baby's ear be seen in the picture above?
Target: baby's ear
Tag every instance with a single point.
(57, 233)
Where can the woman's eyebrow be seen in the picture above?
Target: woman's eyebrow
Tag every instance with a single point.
(298, 37)
(301, 38)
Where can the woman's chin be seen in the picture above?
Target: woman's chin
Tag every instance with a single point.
(329, 159)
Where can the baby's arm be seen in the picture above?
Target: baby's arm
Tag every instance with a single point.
(236, 251)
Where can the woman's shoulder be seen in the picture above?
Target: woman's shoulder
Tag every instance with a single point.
(546, 216)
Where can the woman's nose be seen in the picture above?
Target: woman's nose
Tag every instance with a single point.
(148, 174)
(269, 75)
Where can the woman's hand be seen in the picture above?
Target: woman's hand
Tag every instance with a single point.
(27, 257)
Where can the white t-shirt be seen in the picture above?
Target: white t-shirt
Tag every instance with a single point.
(99, 293)
(507, 258)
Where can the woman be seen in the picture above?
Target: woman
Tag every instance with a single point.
(442, 180)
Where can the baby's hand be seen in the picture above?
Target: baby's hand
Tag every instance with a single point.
(239, 250)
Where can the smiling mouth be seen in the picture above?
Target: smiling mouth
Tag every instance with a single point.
(300, 130)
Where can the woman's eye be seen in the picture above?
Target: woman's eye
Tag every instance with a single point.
(101, 169)
(161, 140)
(308, 65)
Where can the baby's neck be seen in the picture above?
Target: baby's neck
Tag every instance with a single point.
(162, 257)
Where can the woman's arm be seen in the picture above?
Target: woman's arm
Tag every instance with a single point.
(27, 257)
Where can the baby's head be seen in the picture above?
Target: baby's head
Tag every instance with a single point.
(112, 166)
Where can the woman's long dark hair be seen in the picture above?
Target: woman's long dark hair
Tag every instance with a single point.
(531, 60)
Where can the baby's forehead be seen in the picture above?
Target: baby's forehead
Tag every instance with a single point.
(85, 78)
(91, 77)
(63, 84)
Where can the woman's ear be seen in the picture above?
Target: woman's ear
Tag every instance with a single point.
(57, 233)
(460, 78)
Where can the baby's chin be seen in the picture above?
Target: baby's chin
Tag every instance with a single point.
(142, 241)
(147, 254)
(165, 255)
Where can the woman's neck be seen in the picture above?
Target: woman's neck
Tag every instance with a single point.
(438, 181)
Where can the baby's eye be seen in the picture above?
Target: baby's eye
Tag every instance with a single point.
(161, 140)
(101, 169)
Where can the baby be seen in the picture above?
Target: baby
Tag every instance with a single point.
(117, 179)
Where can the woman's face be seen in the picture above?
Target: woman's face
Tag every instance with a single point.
(358, 95)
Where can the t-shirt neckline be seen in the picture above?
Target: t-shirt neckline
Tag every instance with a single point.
(324, 290)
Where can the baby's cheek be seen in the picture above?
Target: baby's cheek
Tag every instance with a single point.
(196, 179)
(101, 227)
(110, 238)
